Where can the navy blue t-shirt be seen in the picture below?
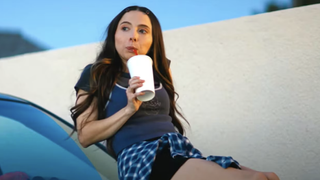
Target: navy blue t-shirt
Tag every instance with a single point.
(150, 121)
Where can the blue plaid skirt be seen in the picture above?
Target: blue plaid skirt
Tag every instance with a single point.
(135, 162)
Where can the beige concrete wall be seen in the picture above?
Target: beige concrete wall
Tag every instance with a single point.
(249, 87)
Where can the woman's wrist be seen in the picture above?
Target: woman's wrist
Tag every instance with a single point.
(128, 111)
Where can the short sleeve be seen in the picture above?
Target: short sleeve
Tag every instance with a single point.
(84, 80)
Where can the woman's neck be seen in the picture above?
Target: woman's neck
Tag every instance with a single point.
(125, 69)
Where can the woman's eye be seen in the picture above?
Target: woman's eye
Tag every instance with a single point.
(142, 31)
(125, 28)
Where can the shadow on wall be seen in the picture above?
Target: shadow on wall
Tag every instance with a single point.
(14, 43)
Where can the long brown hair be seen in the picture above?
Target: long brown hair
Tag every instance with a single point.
(108, 66)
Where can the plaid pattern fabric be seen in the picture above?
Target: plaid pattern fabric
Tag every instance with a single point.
(135, 162)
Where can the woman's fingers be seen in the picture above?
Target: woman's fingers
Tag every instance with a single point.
(139, 94)
(133, 102)
(133, 87)
(135, 80)
(135, 83)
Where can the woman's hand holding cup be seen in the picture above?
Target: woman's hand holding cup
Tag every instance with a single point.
(133, 103)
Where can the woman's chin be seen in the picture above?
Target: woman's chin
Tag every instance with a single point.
(129, 56)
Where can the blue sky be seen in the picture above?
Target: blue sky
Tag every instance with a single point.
(64, 23)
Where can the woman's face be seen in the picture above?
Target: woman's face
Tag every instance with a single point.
(134, 31)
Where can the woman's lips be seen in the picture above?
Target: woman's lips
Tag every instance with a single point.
(131, 48)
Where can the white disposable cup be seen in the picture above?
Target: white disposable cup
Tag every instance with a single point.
(141, 66)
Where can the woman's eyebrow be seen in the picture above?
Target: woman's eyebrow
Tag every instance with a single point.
(126, 22)
(143, 25)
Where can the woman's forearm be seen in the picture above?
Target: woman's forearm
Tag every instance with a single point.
(99, 130)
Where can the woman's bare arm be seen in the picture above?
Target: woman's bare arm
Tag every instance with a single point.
(94, 130)
(97, 130)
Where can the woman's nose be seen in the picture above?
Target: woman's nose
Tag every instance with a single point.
(133, 36)
(133, 39)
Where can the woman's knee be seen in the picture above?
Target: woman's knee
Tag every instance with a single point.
(272, 176)
(259, 176)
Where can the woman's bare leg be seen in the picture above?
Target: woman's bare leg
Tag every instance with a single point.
(269, 175)
(199, 169)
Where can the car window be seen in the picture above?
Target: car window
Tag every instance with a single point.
(36, 143)
(103, 163)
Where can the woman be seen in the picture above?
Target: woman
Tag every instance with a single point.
(145, 138)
